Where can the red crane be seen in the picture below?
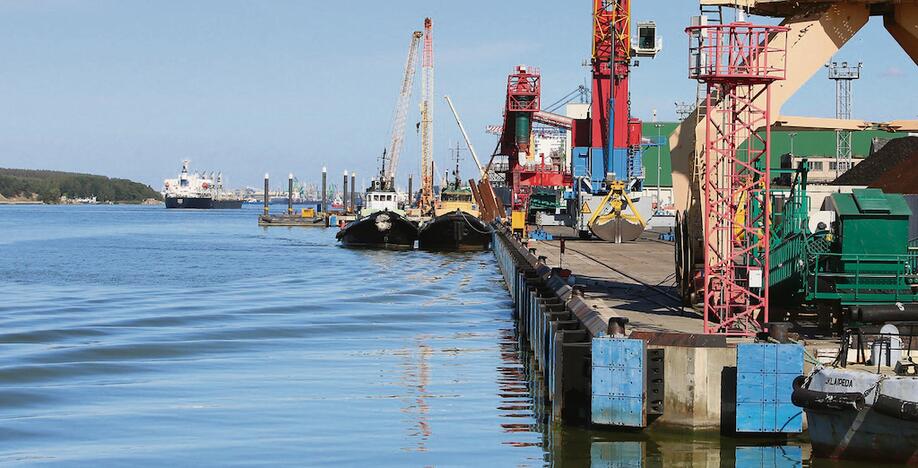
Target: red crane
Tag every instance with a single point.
(614, 136)
(524, 169)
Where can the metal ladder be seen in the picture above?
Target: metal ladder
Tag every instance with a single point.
(714, 15)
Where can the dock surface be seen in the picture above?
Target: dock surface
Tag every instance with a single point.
(632, 280)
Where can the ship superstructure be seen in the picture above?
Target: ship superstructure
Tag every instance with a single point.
(198, 190)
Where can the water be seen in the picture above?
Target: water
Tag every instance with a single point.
(134, 335)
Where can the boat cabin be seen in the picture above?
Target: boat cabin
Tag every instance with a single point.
(452, 200)
(379, 201)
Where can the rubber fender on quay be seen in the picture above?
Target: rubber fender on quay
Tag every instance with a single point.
(812, 399)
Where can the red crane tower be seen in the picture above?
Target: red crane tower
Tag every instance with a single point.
(524, 88)
(611, 62)
(738, 62)
(427, 88)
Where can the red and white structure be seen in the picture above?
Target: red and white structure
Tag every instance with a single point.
(526, 170)
(738, 62)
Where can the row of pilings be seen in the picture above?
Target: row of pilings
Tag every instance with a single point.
(558, 337)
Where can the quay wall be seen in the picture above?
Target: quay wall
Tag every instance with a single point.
(596, 376)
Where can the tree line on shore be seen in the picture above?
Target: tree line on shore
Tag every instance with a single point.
(49, 186)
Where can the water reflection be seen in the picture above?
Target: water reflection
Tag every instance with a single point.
(515, 391)
(415, 378)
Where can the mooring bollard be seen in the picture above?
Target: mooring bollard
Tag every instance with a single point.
(616, 326)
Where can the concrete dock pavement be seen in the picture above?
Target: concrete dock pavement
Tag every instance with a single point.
(633, 280)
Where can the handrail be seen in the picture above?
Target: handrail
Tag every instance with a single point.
(895, 281)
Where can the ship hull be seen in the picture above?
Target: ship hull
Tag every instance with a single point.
(855, 414)
(202, 203)
(455, 231)
(382, 229)
(848, 434)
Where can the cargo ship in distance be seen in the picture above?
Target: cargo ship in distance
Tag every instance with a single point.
(198, 191)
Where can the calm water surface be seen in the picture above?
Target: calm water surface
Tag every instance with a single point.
(145, 336)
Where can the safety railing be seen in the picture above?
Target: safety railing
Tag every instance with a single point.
(883, 347)
(737, 52)
(862, 278)
(913, 254)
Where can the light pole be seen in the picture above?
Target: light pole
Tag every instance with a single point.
(659, 162)
(843, 75)
(684, 109)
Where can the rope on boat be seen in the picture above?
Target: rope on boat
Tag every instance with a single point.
(489, 231)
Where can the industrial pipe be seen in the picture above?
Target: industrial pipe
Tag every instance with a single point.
(880, 313)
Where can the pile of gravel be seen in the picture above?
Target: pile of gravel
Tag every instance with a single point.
(894, 168)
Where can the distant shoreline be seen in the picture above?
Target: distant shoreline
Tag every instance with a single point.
(35, 202)
(56, 187)
(24, 202)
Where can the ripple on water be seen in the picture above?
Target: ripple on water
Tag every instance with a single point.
(148, 336)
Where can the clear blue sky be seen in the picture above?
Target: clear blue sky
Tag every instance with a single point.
(130, 88)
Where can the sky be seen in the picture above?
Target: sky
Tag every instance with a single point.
(130, 88)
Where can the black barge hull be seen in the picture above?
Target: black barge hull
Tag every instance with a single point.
(201, 203)
(455, 231)
(383, 229)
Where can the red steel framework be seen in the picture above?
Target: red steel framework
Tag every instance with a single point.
(524, 90)
(738, 62)
(611, 65)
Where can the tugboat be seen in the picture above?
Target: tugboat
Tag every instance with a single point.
(198, 191)
(380, 223)
(455, 225)
(864, 412)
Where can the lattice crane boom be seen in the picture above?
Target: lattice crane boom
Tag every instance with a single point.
(611, 61)
(401, 107)
(427, 90)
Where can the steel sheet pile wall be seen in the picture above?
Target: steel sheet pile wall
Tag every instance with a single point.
(559, 342)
